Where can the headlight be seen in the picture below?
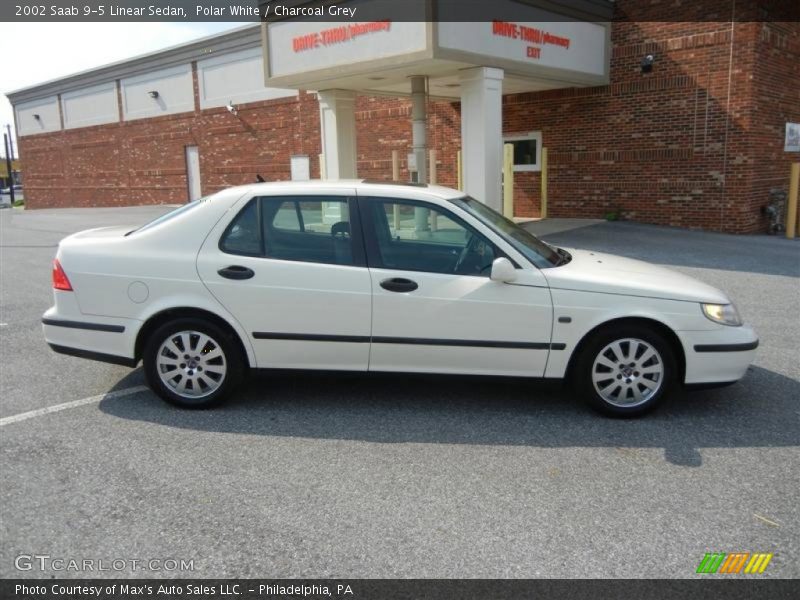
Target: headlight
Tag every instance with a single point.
(726, 314)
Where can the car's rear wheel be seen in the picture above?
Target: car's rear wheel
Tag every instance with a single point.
(192, 363)
(626, 371)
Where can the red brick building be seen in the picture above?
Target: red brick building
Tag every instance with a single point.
(696, 142)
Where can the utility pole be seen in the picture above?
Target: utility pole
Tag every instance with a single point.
(6, 140)
(10, 140)
(11, 148)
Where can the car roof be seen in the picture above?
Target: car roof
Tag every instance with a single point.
(364, 187)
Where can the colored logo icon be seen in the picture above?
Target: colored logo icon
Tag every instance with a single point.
(734, 562)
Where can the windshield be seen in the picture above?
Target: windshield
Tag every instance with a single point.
(535, 250)
(169, 216)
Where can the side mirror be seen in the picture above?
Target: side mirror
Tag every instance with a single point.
(502, 270)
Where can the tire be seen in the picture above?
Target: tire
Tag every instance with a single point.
(192, 363)
(625, 371)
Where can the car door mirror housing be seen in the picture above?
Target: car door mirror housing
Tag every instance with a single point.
(503, 271)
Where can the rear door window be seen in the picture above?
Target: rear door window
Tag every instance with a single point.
(303, 228)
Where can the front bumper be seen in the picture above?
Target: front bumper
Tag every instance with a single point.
(719, 356)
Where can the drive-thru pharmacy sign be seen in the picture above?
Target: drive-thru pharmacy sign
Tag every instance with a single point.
(575, 48)
(533, 37)
(337, 35)
(318, 55)
(303, 47)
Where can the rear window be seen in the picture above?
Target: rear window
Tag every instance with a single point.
(168, 217)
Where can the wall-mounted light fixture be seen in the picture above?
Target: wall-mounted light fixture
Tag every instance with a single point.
(153, 93)
(647, 63)
(38, 117)
(232, 109)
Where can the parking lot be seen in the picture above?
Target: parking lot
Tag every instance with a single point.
(323, 475)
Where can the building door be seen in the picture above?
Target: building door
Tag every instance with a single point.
(193, 172)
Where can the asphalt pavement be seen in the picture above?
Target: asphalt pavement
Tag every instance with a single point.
(323, 475)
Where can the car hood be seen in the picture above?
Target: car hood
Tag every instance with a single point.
(591, 271)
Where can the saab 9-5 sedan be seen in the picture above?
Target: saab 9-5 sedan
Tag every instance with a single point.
(368, 276)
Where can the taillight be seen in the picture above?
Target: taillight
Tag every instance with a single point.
(60, 281)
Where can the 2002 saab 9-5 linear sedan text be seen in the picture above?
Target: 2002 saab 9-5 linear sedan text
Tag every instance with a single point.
(360, 276)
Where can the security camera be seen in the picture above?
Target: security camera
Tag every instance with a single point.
(647, 63)
(232, 109)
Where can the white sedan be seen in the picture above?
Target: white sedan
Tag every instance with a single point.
(369, 276)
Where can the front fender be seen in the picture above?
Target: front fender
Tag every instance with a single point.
(577, 313)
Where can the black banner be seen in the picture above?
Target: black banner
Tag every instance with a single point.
(66, 11)
(387, 589)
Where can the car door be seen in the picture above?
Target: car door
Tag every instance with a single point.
(291, 269)
(434, 307)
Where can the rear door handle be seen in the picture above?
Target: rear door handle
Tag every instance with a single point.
(236, 272)
(399, 284)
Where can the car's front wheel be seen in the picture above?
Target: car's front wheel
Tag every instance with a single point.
(192, 363)
(626, 371)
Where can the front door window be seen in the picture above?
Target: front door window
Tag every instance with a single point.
(414, 236)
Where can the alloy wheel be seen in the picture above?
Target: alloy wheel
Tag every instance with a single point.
(191, 364)
(628, 372)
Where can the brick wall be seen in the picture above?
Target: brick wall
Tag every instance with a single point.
(695, 143)
(776, 85)
(698, 142)
(143, 161)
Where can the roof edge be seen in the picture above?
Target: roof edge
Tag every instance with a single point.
(239, 38)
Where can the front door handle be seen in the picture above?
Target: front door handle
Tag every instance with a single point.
(399, 284)
(236, 272)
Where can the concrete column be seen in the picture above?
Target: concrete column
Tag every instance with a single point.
(482, 134)
(419, 123)
(337, 117)
(419, 145)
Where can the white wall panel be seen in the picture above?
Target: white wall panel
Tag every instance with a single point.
(236, 77)
(90, 106)
(175, 93)
(46, 108)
